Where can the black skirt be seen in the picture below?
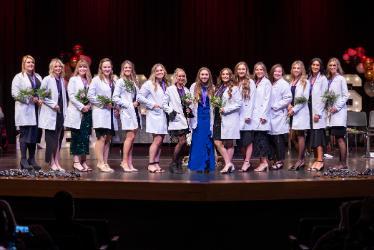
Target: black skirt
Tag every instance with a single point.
(178, 132)
(217, 125)
(103, 132)
(338, 131)
(246, 138)
(317, 138)
(261, 144)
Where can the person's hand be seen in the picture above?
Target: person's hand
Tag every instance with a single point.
(40, 102)
(56, 108)
(109, 106)
(333, 110)
(316, 118)
(222, 110)
(35, 99)
(136, 104)
(116, 113)
(289, 107)
(85, 109)
(290, 112)
(262, 121)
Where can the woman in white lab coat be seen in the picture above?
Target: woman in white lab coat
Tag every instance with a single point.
(52, 113)
(79, 115)
(178, 119)
(299, 111)
(103, 119)
(125, 96)
(317, 137)
(281, 97)
(260, 117)
(26, 112)
(337, 119)
(152, 94)
(226, 127)
(247, 89)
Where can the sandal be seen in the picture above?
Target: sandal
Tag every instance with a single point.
(299, 164)
(77, 165)
(246, 166)
(84, 164)
(276, 166)
(159, 170)
(152, 169)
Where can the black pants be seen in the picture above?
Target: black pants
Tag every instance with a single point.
(279, 145)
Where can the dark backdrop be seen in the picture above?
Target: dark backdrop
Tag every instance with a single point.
(186, 33)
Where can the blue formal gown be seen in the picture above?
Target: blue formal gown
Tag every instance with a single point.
(202, 149)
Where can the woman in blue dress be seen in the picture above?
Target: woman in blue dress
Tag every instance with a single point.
(202, 150)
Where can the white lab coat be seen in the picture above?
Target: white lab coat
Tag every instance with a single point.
(47, 115)
(193, 121)
(24, 111)
(101, 117)
(74, 115)
(300, 120)
(281, 97)
(246, 110)
(230, 127)
(172, 101)
(156, 122)
(124, 100)
(261, 106)
(318, 106)
(339, 86)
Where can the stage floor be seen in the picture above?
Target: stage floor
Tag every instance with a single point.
(191, 186)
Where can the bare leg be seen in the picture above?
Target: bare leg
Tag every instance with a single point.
(106, 148)
(127, 147)
(178, 148)
(99, 150)
(229, 144)
(301, 148)
(222, 150)
(154, 152)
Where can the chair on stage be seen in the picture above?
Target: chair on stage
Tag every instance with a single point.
(356, 125)
(370, 133)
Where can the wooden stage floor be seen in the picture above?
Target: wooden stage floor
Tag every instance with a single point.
(191, 186)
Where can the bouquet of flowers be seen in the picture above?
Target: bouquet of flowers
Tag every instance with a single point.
(129, 85)
(300, 100)
(104, 100)
(43, 93)
(187, 99)
(24, 94)
(81, 96)
(216, 102)
(329, 98)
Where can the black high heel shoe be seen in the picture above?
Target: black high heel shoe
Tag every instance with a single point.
(299, 164)
(24, 164)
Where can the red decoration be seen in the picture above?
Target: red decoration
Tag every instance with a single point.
(351, 52)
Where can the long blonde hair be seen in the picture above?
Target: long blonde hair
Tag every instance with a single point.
(198, 86)
(339, 69)
(132, 77)
(82, 62)
(176, 71)
(52, 64)
(23, 70)
(100, 71)
(263, 67)
(152, 77)
(230, 84)
(246, 89)
(303, 77)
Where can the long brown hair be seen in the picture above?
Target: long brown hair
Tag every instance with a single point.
(271, 74)
(100, 72)
(152, 77)
(246, 89)
(198, 86)
(230, 84)
(303, 77)
(88, 73)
